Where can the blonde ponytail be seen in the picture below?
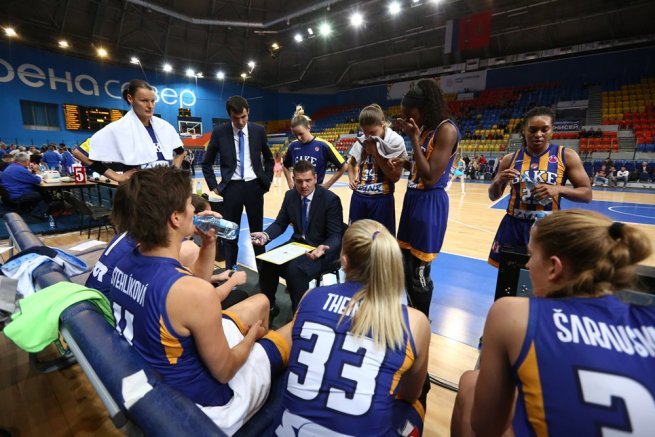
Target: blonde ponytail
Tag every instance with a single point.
(299, 118)
(602, 255)
(375, 260)
(373, 115)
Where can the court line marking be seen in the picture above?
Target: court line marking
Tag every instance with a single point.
(611, 208)
(472, 227)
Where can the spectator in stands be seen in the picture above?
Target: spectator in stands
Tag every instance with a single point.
(644, 172)
(537, 173)
(598, 133)
(67, 161)
(22, 182)
(371, 175)
(467, 161)
(3, 149)
(600, 177)
(6, 160)
(608, 162)
(483, 162)
(222, 361)
(622, 175)
(138, 140)
(553, 364)
(473, 168)
(423, 221)
(316, 150)
(277, 169)
(611, 176)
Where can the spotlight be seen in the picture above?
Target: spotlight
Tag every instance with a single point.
(298, 37)
(10, 32)
(102, 52)
(167, 68)
(63, 44)
(244, 76)
(190, 72)
(310, 31)
(220, 75)
(134, 60)
(394, 8)
(251, 64)
(325, 29)
(356, 19)
(275, 46)
(200, 75)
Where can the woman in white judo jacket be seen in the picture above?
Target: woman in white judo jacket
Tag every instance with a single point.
(138, 140)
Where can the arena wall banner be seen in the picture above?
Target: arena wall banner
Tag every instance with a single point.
(463, 82)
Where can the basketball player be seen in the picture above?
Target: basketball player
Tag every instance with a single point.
(582, 360)
(316, 150)
(425, 209)
(538, 173)
(221, 361)
(371, 175)
(359, 357)
(458, 172)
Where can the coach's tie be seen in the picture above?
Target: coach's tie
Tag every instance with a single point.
(305, 202)
(242, 152)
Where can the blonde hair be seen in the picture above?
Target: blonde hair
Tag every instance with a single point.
(375, 260)
(299, 118)
(373, 115)
(602, 254)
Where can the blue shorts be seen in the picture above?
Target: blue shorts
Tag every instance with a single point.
(423, 222)
(458, 173)
(513, 231)
(408, 418)
(380, 208)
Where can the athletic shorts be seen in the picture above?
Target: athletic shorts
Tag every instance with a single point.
(380, 208)
(512, 231)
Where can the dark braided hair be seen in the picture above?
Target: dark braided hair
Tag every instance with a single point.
(426, 96)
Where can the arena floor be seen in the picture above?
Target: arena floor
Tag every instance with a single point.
(63, 403)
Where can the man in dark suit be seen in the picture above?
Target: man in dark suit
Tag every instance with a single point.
(321, 227)
(246, 171)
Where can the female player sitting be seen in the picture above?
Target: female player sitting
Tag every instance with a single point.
(581, 360)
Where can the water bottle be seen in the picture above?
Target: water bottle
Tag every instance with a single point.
(530, 185)
(234, 270)
(198, 188)
(51, 222)
(224, 228)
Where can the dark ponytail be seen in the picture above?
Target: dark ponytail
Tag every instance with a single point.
(134, 85)
(426, 96)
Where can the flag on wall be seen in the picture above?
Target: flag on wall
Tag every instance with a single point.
(468, 32)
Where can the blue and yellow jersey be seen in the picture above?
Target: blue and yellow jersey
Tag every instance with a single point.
(317, 151)
(138, 291)
(372, 181)
(586, 368)
(336, 383)
(547, 168)
(414, 182)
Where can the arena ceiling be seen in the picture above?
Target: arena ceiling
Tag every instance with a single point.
(223, 35)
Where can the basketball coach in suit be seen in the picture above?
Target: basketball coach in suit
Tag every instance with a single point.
(317, 219)
(246, 170)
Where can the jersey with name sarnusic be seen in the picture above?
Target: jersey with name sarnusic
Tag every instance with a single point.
(586, 368)
(139, 287)
(317, 151)
(336, 383)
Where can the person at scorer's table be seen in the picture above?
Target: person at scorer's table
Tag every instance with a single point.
(317, 219)
(246, 171)
(138, 140)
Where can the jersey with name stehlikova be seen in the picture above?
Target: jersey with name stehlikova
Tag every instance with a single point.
(337, 383)
(586, 368)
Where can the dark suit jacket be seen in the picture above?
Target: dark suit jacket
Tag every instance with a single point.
(325, 224)
(222, 143)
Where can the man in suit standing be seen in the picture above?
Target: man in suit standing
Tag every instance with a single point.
(317, 219)
(246, 170)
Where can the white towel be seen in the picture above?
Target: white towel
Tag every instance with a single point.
(392, 146)
(127, 141)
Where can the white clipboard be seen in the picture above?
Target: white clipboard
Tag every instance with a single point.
(285, 253)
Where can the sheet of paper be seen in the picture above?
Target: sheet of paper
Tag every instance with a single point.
(87, 245)
(285, 253)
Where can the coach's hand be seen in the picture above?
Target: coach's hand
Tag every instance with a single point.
(258, 238)
(318, 252)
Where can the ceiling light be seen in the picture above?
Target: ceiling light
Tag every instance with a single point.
(220, 75)
(102, 52)
(275, 46)
(310, 31)
(168, 68)
(243, 75)
(298, 37)
(356, 19)
(200, 75)
(63, 44)
(10, 32)
(190, 72)
(134, 60)
(325, 29)
(251, 64)
(394, 8)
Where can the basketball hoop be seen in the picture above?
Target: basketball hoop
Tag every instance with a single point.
(194, 136)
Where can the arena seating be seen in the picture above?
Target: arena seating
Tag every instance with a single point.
(632, 106)
(130, 390)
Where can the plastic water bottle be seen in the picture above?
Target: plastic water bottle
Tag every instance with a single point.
(530, 185)
(51, 222)
(224, 228)
(199, 188)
